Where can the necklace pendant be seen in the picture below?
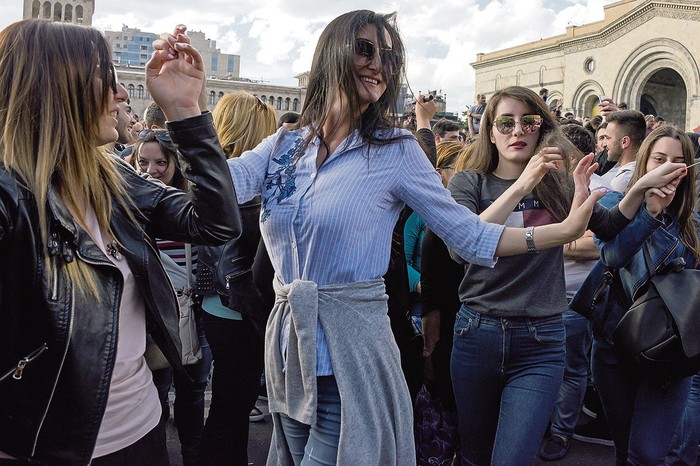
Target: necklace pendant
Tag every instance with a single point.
(113, 250)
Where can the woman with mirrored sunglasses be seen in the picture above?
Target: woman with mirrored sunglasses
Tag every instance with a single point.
(508, 351)
(80, 281)
(332, 191)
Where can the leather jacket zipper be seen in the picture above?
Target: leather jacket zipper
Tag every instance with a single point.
(231, 276)
(54, 278)
(60, 368)
(18, 371)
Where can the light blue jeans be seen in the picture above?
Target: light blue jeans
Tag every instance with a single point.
(316, 444)
(573, 388)
(506, 374)
(684, 449)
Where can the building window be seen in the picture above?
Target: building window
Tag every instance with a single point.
(221, 94)
(79, 14)
(57, 12)
(36, 7)
(271, 101)
(46, 14)
(144, 47)
(229, 68)
(295, 105)
(279, 103)
(215, 62)
(263, 98)
(287, 101)
(68, 13)
(589, 65)
(212, 98)
(139, 92)
(126, 37)
(130, 88)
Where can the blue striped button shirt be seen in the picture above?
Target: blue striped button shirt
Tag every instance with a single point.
(333, 225)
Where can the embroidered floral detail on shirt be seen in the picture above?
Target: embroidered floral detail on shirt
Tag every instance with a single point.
(282, 181)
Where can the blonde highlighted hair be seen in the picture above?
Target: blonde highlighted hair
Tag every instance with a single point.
(242, 121)
(54, 85)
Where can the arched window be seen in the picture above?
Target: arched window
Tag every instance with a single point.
(79, 14)
(57, 12)
(542, 71)
(279, 103)
(46, 14)
(295, 105)
(519, 78)
(68, 13)
(130, 88)
(271, 101)
(139, 91)
(212, 98)
(287, 101)
(263, 98)
(36, 7)
(221, 94)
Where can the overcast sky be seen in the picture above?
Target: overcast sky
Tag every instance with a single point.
(276, 39)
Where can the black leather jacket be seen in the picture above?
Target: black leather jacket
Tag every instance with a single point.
(227, 270)
(57, 348)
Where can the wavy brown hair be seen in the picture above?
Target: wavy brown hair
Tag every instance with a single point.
(54, 84)
(682, 205)
(332, 76)
(554, 191)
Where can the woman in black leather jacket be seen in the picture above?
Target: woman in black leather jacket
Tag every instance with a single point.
(80, 280)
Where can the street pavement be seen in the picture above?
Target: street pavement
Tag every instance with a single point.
(581, 454)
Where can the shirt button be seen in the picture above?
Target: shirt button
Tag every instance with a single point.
(313, 175)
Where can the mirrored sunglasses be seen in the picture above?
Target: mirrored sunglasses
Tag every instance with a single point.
(529, 123)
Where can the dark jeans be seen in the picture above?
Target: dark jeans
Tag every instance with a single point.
(573, 388)
(684, 450)
(506, 375)
(149, 451)
(238, 365)
(643, 414)
(189, 399)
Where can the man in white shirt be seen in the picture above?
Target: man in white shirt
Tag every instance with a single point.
(625, 131)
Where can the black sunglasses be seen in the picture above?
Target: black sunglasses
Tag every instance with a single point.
(155, 134)
(365, 50)
(529, 123)
(113, 78)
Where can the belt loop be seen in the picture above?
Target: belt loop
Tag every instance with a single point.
(477, 319)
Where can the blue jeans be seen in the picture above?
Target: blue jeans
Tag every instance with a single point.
(506, 375)
(189, 399)
(643, 414)
(684, 449)
(316, 444)
(573, 388)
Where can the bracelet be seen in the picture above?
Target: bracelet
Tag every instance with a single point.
(530, 240)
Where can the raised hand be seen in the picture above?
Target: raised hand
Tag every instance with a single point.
(583, 201)
(175, 75)
(546, 160)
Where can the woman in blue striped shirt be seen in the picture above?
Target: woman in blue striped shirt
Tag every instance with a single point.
(332, 191)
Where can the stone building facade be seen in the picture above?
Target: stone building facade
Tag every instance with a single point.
(132, 48)
(643, 53)
(70, 11)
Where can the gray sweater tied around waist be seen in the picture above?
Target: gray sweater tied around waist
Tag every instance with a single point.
(376, 421)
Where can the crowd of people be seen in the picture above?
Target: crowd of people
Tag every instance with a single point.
(350, 266)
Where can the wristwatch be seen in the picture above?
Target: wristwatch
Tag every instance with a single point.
(530, 240)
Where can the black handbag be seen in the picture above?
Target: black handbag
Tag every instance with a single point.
(660, 333)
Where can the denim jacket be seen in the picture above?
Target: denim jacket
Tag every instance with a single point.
(624, 254)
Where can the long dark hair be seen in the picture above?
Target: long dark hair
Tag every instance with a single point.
(333, 74)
